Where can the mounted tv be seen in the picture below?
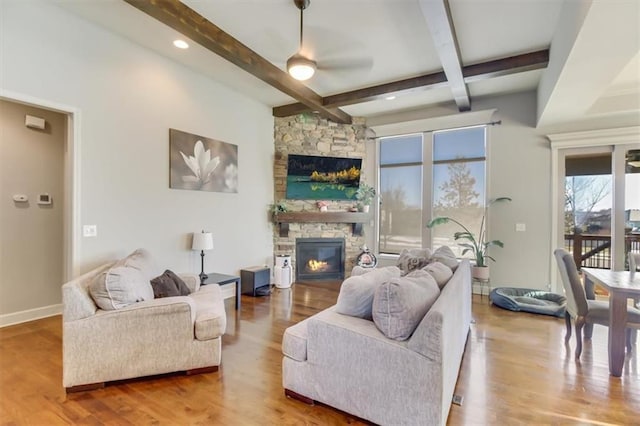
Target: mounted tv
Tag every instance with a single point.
(322, 178)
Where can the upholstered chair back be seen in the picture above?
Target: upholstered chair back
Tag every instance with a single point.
(576, 296)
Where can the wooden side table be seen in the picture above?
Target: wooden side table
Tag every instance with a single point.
(215, 278)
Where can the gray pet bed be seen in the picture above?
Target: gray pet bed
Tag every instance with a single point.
(529, 300)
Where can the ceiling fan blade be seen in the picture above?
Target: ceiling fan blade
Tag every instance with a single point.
(345, 64)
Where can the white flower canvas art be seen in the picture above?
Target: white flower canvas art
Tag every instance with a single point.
(202, 164)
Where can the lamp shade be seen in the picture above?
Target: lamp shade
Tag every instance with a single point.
(202, 241)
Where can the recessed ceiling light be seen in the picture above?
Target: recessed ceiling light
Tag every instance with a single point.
(181, 44)
(390, 98)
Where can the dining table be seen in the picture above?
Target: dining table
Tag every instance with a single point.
(621, 285)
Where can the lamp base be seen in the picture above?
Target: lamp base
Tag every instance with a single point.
(203, 277)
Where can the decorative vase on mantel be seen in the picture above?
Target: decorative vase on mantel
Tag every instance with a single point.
(480, 272)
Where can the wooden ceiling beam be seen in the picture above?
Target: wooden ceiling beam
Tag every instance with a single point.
(438, 16)
(188, 22)
(476, 72)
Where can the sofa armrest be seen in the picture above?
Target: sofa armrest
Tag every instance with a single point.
(191, 280)
(346, 355)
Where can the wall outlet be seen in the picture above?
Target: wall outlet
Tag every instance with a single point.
(521, 227)
(90, 231)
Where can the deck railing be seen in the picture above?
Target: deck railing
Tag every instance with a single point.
(594, 251)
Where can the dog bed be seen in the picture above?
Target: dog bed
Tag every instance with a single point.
(529, 300)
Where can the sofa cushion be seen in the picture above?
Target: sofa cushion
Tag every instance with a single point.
(120, 286)
(440, 272)
(141, 260)
(412, 259)
(169, 284)
(356, 293)
(294, 342)
(445, 255)
(400, 303)
(211, 319)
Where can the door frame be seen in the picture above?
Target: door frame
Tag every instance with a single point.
(618, 141)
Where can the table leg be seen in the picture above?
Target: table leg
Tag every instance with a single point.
(238, 293)
(617, 322)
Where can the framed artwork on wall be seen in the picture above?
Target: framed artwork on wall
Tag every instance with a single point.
(202, 164)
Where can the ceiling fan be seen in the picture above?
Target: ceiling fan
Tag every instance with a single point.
(298, 66)
(303, 68)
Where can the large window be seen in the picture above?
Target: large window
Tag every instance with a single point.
(455, 161)
(401, 171)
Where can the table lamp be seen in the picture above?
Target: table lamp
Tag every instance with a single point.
(202, 241)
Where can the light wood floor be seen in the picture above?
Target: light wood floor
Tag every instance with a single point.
(516, 371)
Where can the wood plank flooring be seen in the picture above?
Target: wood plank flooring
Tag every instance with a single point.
(516, 371)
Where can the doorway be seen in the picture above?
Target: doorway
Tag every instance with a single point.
(38, 185)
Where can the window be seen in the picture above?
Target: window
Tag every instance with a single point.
(401, 171)
(456, 164)
(458, 182)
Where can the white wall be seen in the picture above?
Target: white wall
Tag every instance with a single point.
(128, 98)
(519, 166)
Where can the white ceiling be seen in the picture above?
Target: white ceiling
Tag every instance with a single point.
(361, 43)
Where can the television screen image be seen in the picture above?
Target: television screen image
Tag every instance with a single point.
(322, 178)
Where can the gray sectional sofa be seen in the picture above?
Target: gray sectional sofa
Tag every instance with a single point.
(348, 363)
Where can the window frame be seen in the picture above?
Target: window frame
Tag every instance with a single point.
(428, 164)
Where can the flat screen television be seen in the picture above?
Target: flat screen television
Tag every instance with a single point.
(322, 178)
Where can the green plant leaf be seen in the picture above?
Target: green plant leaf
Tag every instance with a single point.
(438, 221)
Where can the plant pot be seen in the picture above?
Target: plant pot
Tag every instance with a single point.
(365, 209)
(480, 273)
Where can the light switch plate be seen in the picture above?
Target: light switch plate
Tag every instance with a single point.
(521, 227)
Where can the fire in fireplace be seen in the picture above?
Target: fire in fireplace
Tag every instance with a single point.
(319, 259)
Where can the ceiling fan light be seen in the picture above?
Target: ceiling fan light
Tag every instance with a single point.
(300, 67)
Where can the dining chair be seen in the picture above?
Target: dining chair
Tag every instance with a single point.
(585, 311)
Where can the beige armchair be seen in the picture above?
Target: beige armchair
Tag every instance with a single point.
(155, 336)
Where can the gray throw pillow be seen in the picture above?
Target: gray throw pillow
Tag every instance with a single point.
(182, 287)
(412, 259)
(356, 293)
(168, 285)
(440, 272)
(445, 255)
(120, 286)
(400, 304)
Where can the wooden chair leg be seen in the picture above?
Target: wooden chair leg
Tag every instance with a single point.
(567, 320)
(579, 324)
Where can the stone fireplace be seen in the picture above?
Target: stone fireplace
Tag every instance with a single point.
(319, 259)
(309, 134)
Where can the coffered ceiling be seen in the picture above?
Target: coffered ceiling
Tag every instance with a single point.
(423, 52)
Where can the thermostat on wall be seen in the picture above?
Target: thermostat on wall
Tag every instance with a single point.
(20, 198)
(44, 199)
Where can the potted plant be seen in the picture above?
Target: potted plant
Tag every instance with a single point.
(477, 245)
(278, 207)
(365, 195)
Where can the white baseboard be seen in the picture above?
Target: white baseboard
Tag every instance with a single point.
(30, 315)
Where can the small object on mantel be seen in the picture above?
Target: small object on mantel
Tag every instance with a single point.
(353, 209)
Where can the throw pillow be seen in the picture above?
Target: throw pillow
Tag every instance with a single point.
(359, 270)
(182, 287)
(120, 286)
(141, 260)
(168, 285)
(445, 255)
(440, 272)
(356, 293)
(412, 259)
(400, 304)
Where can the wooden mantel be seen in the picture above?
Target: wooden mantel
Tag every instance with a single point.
(356, 219)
